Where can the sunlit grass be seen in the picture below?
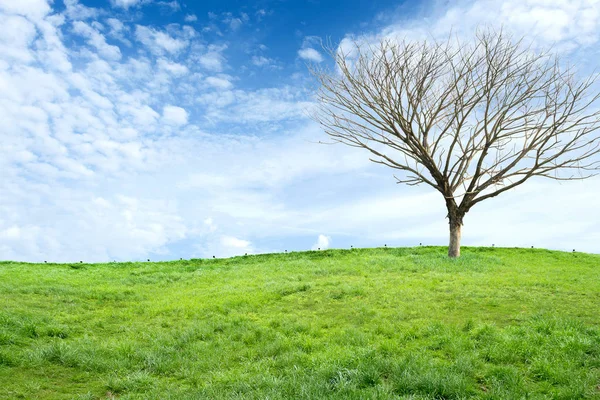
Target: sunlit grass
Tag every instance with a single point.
(360, 324)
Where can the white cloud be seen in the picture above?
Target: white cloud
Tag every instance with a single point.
(159, 42)
(235, 24)
(97, 40)
(16, 37)
(190, 18)
(34, 9)
(171, 5)
(118, 30)
(219, 82)
(173, 68)
(126, 4)
(175, 115)
(263, 105)
(234, 243)
(322, 243)
(116, 25)
(78, 11)
(212, 57)
(141, 114)
(117, 227)
(310, 54)
(564, 25)
(260, 14)
(221, 246)
(262, 61)
(210, 224)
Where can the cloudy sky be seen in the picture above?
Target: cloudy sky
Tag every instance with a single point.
(134, 129)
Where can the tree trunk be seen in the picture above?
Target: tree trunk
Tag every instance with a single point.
(455, 233)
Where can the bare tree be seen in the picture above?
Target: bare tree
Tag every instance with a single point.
(471, 119)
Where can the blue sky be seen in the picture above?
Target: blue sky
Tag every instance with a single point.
(135, 129)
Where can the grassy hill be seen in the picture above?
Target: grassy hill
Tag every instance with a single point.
(381, 323)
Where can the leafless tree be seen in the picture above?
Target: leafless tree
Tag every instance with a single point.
(472, 118)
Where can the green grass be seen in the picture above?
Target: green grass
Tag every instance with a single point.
(362, 324)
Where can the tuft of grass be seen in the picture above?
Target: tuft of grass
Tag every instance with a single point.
(387, 323)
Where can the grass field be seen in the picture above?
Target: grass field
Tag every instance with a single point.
(362, 324)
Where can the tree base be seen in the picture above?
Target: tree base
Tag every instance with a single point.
(454, 245)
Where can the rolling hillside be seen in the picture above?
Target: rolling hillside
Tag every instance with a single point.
(382, 323)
